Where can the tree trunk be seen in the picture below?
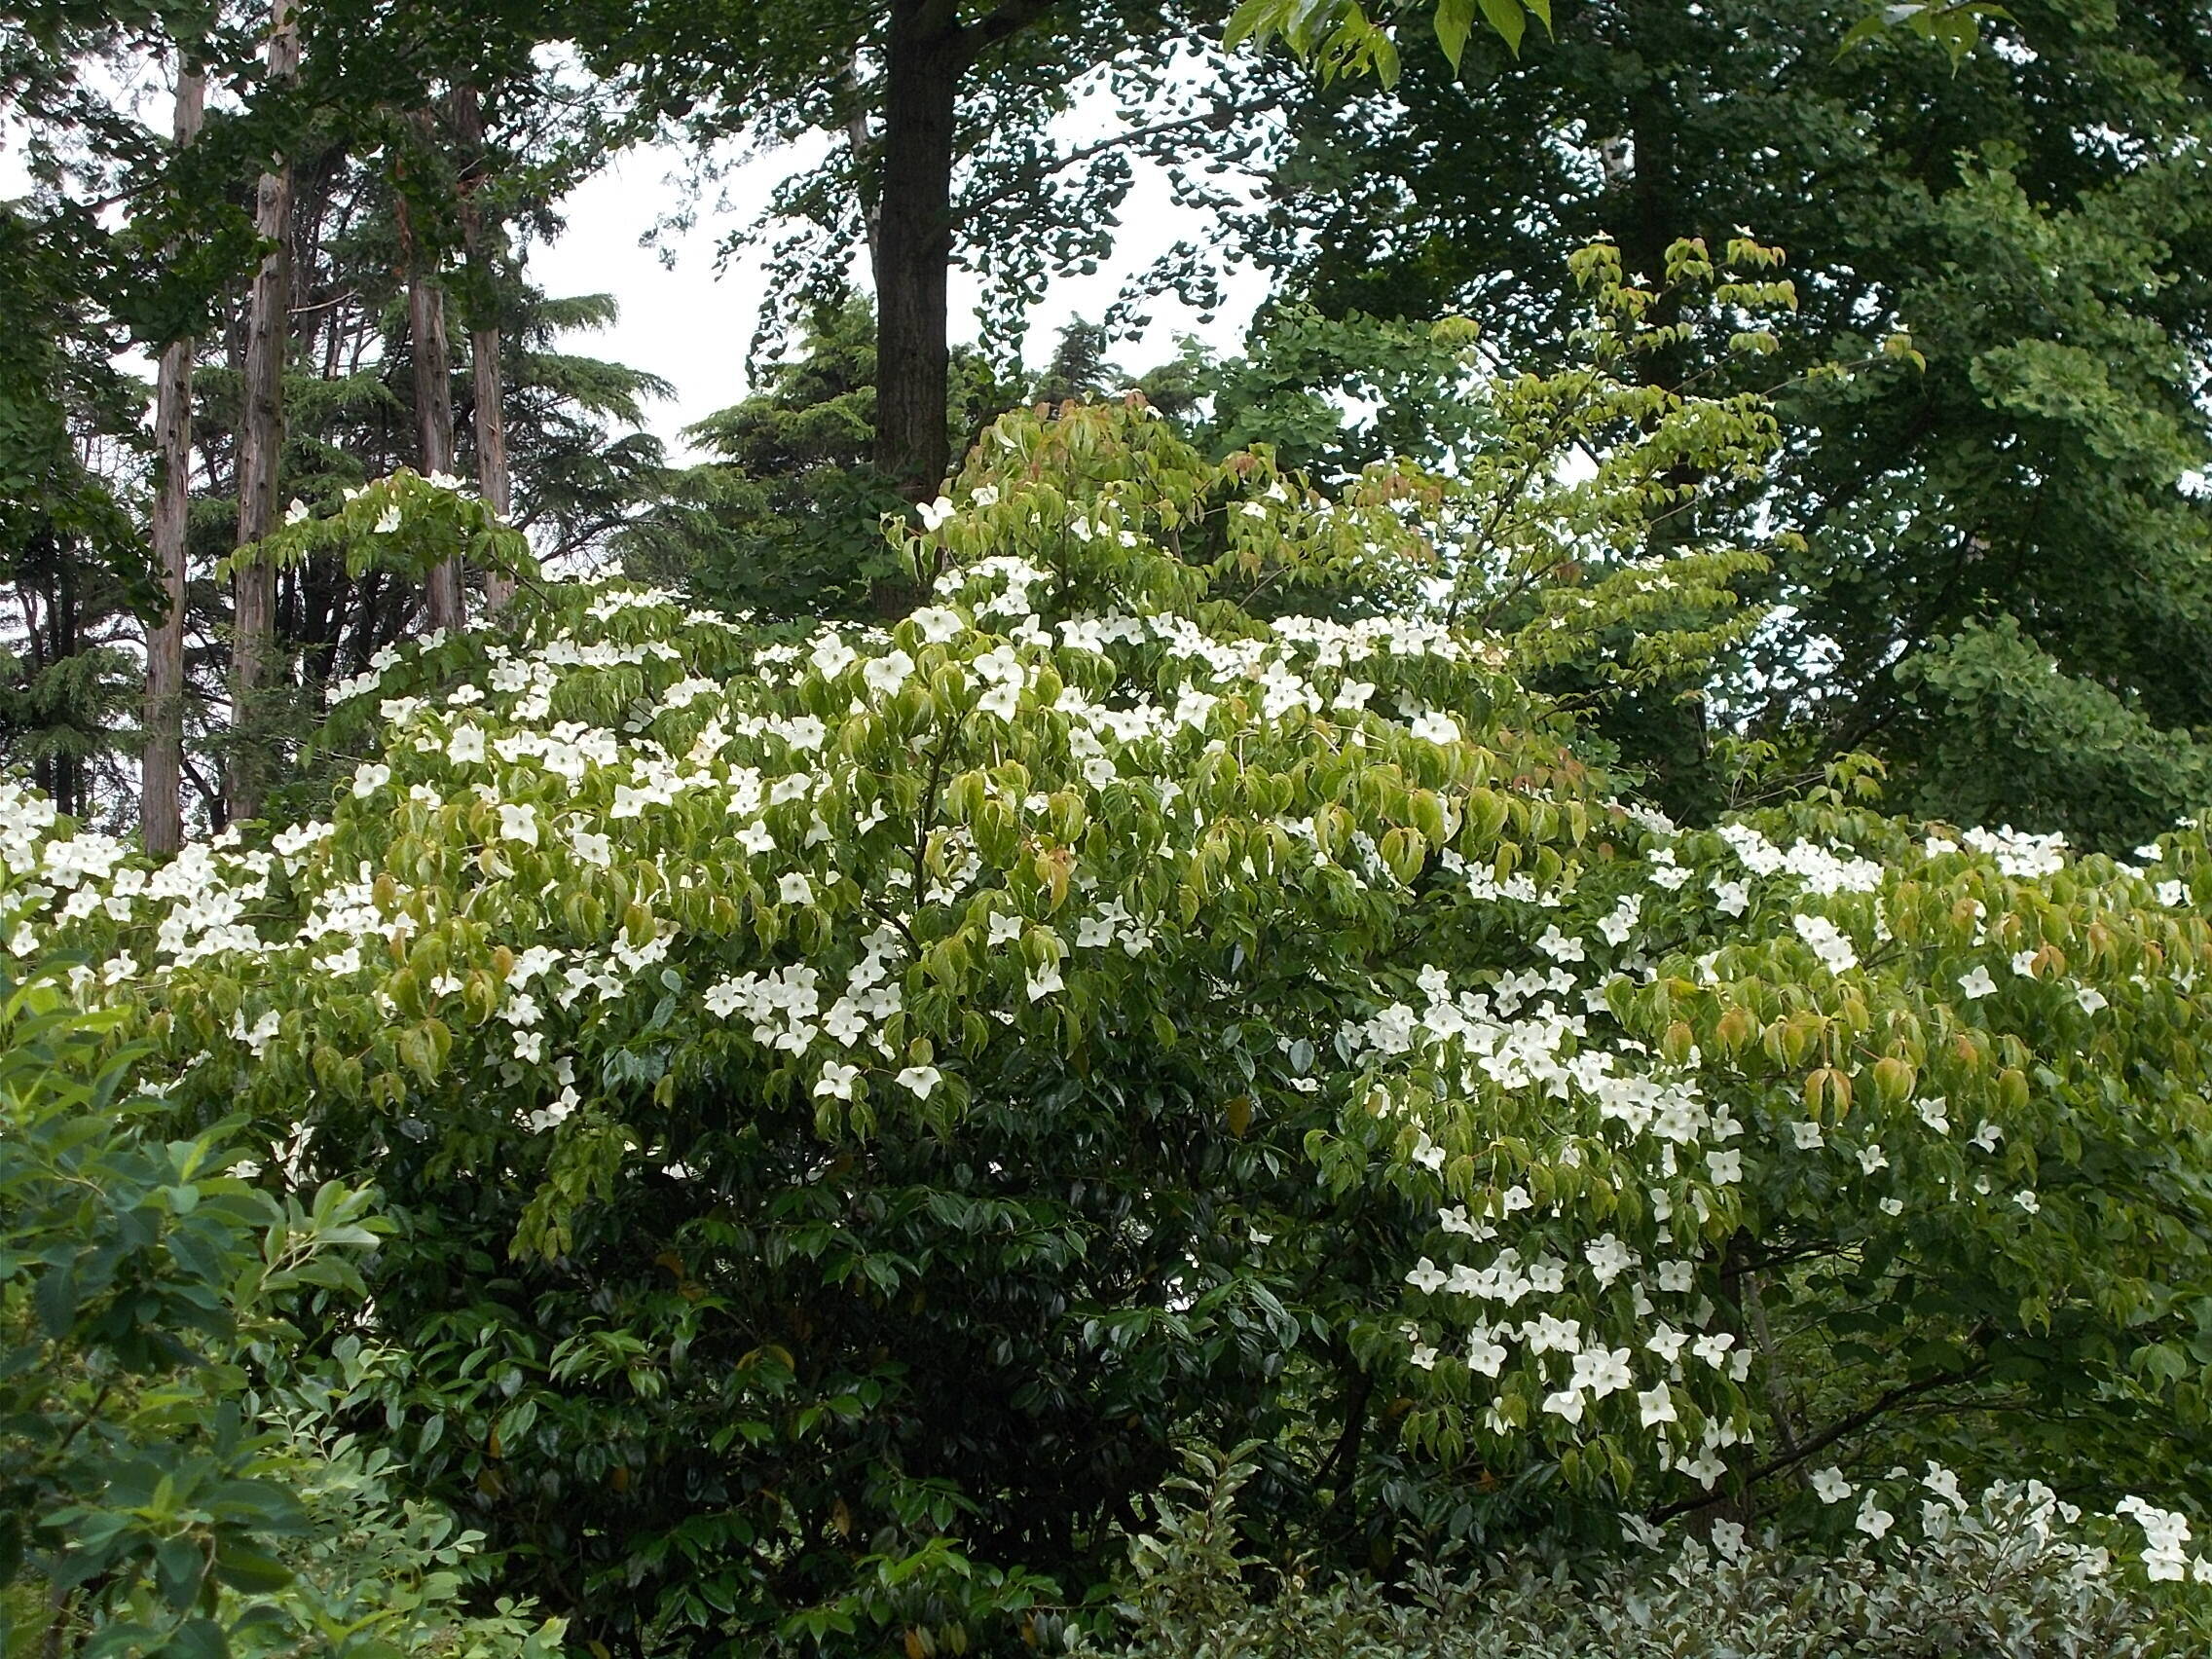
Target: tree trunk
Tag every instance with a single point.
(432, 361)
(433, 424)
(926, 55)
(261, 444)
(481, 244)
(160, 817)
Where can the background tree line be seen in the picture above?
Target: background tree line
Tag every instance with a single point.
(1998, 577)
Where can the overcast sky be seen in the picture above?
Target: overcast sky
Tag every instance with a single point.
(691, 327)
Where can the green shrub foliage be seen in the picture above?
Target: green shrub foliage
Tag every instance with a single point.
(854, 1101)
(167, 1482)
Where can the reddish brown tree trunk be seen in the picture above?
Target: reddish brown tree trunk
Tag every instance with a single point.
(261, 444)
(160, 817)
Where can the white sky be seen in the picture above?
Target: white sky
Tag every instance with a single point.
(691, 328)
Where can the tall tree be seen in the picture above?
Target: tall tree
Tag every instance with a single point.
(261, 444)
(482, 240)
(430, 354)
(2033, 218)
(161, 818)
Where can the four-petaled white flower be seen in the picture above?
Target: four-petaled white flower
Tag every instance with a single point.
(935, 624)
(795, 889)
(1655, 1406)
(884, 675)
(920, 1080)
(518, 821)
(836, 1080)
(1427, 1276)
(1977, 984)
(1830, 1486)
(934, 513)
(1873, 1520)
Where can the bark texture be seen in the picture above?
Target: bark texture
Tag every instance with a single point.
(160, 817)
(261, 444)
(482, 244)
(926, 55)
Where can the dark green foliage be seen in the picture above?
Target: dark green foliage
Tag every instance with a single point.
(2034, 216)
(787, 519)
(2097, 760)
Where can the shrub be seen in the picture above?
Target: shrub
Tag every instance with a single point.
(2011, 1576)
(151, 1500)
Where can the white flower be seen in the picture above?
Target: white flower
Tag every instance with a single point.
(591, 848)
(934, 513)
(1427, 1276)
(1873, 1518)
(1727, 1166)
(1486, 1354)
(1874, 1158)
(1559, 947)
(1656, 1406)
(389, 520)
(1437, 727)
(2091, 998)
(1830, 1486)
(985, 495)
(1987, 1136)
(920, 1080)
(368, 779)
(1976, 986)
(1932, 1113)
(1043, 982)
(1567, 1404)
(1943, 1484)
(1830, 942)
(1712, 1348)
(831, 656)
(518, 821)
(935, 624)
(1705, 1470)
(297, 511)
(884, 675)
(836, 1080)
(1808, 1136)
(1603, 1371)
(466, 745)
(2028, 1202)
(795, 889)
(1423, 1356)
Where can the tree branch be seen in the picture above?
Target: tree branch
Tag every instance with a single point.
(1218, 119)
(1820, 1441)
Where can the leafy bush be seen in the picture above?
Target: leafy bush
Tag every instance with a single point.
(149, 1500)
(1998, 1579)
(854, 1101)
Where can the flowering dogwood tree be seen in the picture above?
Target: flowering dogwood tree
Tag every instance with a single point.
(853, 1101)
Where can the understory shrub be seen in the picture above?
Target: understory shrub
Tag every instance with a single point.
(2010, 1576)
